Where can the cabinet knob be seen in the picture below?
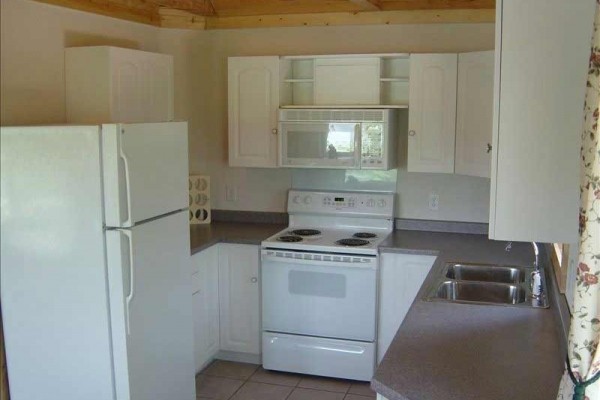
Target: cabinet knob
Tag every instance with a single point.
(254, 279)
(489, 148)
(274, 131)
(411, 133)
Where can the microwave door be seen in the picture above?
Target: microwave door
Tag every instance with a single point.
(343, 144)
(320, 145)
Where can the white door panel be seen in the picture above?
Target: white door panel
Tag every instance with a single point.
(206, 306)
(53, 271)
(474, 111)
(151, 309)
(432, 112)
(401, 276)
(239, 298)
(145, 171)
(253, 90)
(318, 300)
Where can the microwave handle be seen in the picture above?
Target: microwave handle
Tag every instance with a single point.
(357, 145)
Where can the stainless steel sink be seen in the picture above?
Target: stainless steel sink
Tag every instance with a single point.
(506, 285)
(481, 292)
(485, 273)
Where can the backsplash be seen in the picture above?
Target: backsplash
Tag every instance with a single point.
(355, 180)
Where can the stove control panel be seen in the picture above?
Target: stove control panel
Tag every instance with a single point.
(349, 203)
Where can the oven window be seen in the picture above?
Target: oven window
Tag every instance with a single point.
(320, 284)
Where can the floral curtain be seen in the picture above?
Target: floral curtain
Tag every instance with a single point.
(584, 355)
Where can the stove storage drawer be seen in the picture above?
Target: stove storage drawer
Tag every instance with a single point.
(334, 300)
(318, 356)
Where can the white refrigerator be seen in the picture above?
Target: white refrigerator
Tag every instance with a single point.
(94, 261)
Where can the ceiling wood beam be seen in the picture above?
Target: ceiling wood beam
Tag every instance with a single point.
(145, 15)
(361, 18)
(368, 5)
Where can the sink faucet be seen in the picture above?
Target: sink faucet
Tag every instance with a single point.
(536, 275)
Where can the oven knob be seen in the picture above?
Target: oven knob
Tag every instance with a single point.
(381, 203)
(296, 200)
(370, 203)
(307, 200)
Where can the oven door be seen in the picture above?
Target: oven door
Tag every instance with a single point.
(320, 145)
(325, 295)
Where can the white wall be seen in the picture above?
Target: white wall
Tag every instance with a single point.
(33, 36)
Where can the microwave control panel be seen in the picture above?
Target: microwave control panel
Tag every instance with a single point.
(367, 203)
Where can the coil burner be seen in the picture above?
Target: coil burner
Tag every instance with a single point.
(289, 239)
(306, 232)
(364, 235)
(352, 242)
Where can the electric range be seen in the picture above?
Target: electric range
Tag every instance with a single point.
(319, 284)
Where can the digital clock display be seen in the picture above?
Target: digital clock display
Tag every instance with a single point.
(339, 199)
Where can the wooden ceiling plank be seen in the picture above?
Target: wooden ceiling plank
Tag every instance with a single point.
(390, 5)
(362, 18)
(200, 7)
(180, 19)
(236, 8)
(368, 5)
(147, 15)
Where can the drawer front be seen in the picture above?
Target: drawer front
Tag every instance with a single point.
(318, 356)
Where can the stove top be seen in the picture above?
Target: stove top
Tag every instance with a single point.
(328, 240)
(335, 222)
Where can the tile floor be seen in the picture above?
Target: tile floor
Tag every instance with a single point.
(225, 380)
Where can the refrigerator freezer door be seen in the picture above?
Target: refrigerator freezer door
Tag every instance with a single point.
(151, 309)
(145, 171)
(53, 267)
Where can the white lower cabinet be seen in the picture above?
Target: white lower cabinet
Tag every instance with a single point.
(205, 305)
(239, 298)
(401, 277)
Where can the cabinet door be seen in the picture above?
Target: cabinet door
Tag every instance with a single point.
(432, 112)
(253, 102)
(206, 306)
(540, 82)
(474, 113)
(401, 277)
(239, 291)
(128, 86)
(157, 81)
(347, 81)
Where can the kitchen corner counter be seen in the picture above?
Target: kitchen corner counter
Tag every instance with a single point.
(451, 351)
(204, 236)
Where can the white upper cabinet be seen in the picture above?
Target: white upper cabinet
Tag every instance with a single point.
(253, 102)
(432, 112)
(110, 84)
(542, 50)
(474, 110)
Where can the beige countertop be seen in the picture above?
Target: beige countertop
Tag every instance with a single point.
(450, 351)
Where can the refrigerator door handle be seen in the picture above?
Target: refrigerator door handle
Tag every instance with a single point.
(131, 291)
(123, 157)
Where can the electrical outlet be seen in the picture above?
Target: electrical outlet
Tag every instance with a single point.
(230, 193)
(434, 201)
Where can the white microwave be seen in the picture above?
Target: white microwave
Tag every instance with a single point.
(343, 139)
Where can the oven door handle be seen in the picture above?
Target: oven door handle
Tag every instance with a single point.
(341, 261)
